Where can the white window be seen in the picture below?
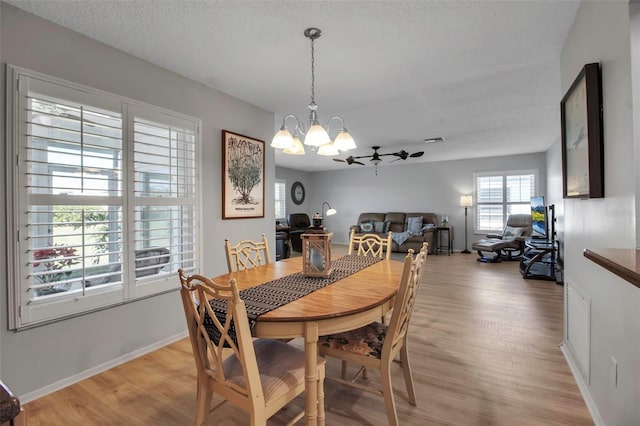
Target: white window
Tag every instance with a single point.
(104, 198)
(500, 194)
(281, 200)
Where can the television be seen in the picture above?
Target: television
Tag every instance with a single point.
(538, 217)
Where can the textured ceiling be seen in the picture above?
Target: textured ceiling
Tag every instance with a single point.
(483, 74)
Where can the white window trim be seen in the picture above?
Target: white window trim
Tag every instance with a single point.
(283, 182)
(502, 173)
(103, 297)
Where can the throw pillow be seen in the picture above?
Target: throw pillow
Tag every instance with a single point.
(414, 224)
(511, 233)
(379, 227)
(427, 227)
(366, 227)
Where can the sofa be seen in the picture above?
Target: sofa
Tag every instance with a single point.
(423, 229)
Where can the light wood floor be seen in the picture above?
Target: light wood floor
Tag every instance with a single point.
(484, 351)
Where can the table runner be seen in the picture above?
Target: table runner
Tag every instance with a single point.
(273, 294)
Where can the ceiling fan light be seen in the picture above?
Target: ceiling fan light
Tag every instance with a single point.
(328, 149)
(331, 212)
(375, 161)
(282, 139)
(344, 141)
(317, 135)
(296, 148)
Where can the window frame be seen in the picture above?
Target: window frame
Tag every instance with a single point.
(103, 296)
(284, 197)
(505, 204)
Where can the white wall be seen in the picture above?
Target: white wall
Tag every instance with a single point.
(43, 356)
(601, 34)
(410, 187)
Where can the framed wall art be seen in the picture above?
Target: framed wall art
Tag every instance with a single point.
(242, 176)
(582, 136)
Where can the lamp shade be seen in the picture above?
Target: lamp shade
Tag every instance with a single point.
(328, 149)
(331, 212)
(466, 201)
(282, 139)
(344, 141)
(317, 135)
(296, 149)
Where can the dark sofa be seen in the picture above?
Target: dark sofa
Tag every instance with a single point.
(397, 222)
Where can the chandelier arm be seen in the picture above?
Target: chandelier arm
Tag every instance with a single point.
(299, 125)
(328, 122)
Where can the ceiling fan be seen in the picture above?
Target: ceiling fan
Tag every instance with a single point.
(376, 159)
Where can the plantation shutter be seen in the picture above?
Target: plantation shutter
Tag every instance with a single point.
(280, 200)
(102, 198)
(501, 195)
(72, 169)
(164, 158)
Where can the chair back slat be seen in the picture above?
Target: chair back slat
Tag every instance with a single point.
(405, 300)
(196, 291)
(247, 254)
(370, 245)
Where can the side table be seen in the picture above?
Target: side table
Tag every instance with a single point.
(539, 259)
(444, 239)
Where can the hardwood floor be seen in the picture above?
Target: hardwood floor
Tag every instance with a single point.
(484, 351)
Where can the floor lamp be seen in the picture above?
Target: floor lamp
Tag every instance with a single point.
(466, 201)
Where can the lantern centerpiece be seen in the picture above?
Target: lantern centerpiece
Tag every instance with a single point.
(316, 250)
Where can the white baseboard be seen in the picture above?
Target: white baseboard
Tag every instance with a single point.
(39, 393)
(584, 388)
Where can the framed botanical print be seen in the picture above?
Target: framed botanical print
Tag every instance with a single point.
(242, 176)
(582, 136)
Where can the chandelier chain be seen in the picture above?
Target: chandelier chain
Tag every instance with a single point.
(313, 73)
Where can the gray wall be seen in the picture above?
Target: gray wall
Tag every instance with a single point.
(47, 357)
(601, 34)
(417, 187)
(290, 176)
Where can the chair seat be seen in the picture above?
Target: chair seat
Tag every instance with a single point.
(365, 340)
(491, 244)
(281, 368)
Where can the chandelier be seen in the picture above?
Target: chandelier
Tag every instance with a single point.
(317, 135)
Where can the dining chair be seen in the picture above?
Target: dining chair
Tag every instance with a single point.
(247, 254)
(259, 376)
(377, 344)
(370, 245)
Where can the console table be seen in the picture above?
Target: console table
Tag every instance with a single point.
(539, 259)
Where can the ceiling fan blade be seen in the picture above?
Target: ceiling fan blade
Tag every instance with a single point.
(339, 160)
(393, 161)
(357, 162)
(417, 154)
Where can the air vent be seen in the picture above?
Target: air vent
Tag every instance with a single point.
(435, 140)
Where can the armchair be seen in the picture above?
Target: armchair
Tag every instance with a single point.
(507, 246)
(298, 224)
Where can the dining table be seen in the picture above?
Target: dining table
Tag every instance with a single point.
(346, 304)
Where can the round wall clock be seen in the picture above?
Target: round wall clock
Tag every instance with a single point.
(297, 193)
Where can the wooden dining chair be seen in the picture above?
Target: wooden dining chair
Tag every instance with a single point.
(247, 254)
(370, 245)
(377, 344)
(259, 376)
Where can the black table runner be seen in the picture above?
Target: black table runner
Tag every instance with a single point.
(271, 295)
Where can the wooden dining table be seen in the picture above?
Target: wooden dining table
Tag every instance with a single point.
(346, 304)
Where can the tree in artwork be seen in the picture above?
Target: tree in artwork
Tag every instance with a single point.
(244, 168)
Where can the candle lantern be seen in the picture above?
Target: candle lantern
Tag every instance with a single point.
(316, 253)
